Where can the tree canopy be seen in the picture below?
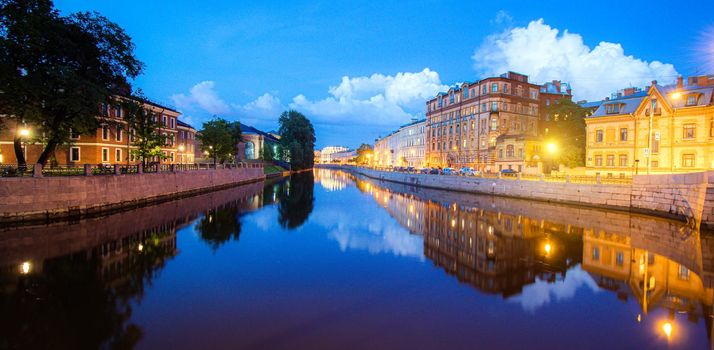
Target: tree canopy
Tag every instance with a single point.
(219, 138)
(144, 129)
(297, 140)
(56, 71)
(364, 153)
(565, 127)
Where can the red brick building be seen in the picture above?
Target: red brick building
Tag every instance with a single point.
(110, 144)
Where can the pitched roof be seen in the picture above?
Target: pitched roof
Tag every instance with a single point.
(247, 129)
(704, 93)
(628, 104)
(185, 125)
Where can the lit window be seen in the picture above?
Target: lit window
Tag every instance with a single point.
(688, 160)
(690, 131)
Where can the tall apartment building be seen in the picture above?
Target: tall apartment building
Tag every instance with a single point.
(110, 144)
(491, 125)
(665, 129)
(403, 147)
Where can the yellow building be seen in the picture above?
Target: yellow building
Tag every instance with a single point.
(665, 129)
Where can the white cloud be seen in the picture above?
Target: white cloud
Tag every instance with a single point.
(502, 17)
(202, 96)
(540, 293)
(377, 99)
(544, 54)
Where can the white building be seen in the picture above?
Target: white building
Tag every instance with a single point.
(403, 147)
(327, 152)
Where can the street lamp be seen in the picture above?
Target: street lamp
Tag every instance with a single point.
(24, 132)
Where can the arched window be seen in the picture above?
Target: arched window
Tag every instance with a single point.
(249, 150)
(509, 151)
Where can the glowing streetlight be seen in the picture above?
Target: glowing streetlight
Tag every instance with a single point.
(24, 132)
(547, 248)
(551, 147)
(667, 329)
(181, 148)
(25, 268)
(140, 247)
(676, 95)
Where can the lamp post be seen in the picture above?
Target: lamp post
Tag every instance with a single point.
(23, 133)
(552, 149)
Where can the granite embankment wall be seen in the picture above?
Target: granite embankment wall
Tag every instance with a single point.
(680, 196)
(26, 199)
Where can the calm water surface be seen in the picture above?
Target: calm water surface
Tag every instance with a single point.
(331, 261)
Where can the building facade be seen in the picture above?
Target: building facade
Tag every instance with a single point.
(110, 144)
(186, 143)
(403, 147)
(326, 153)
(665, 129)
(254, 142)
(471, 123)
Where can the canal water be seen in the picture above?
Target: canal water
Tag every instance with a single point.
(327, 260)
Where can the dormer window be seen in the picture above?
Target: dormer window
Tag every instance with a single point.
(612, 108)
(691, 100)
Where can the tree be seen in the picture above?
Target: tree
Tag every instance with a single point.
(56, 71)
(297, 140)
(296, 200)
(219, 138)
(565, 125)
(144, 129)
(266, 153)
(364, 153)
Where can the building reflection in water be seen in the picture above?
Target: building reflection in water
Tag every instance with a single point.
(73, 286)
(504, 246)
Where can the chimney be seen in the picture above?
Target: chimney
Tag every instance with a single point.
(654, 82)
(680, 82)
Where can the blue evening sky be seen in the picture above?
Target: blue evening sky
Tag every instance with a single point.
(249, 60)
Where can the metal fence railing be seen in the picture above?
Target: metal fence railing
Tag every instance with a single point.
(15, 170)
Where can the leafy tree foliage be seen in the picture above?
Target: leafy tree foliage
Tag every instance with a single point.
(266, 153)
(219, 138)
(297, 140)
(364, 152)
(56, 71)
(219, 225)
(144, 130)
(566, 127)
(296, 200)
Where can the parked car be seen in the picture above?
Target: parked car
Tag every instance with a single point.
(448, 171)
(434, 171)
(424, 170)
(411, 169)
(508, 171)
(467, 171)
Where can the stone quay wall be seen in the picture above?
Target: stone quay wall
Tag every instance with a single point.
(42, 199)
(687, 197)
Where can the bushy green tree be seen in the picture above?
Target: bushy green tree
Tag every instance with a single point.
(266, 153)
(57, 71)
(297, 140)
(144, 129)
(565, 127)
(364, 152)
(219, 138)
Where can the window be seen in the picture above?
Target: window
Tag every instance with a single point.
(494, 106)
(117, 111)
(483, 91)
(105, 155)
(623, 134)
(691, 100)
(494, 87)
(598, 136)
(612, 108)
(610, 160)
(623, 160)
(173, 123)
(547, 102)
(688, 160)
(163, 120)
(500, 154)
(119, 132)
(520, 153)
(451, 98)
(655, 163)
(596, 253)
(690, 131)
(117, 155)
(172, 157)
(494, 124)
(505, 88)
(74, 154)
(619, 258)
(73, 135)
(105, 132)
(598, 160)
(683, 272)
(105, 109)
